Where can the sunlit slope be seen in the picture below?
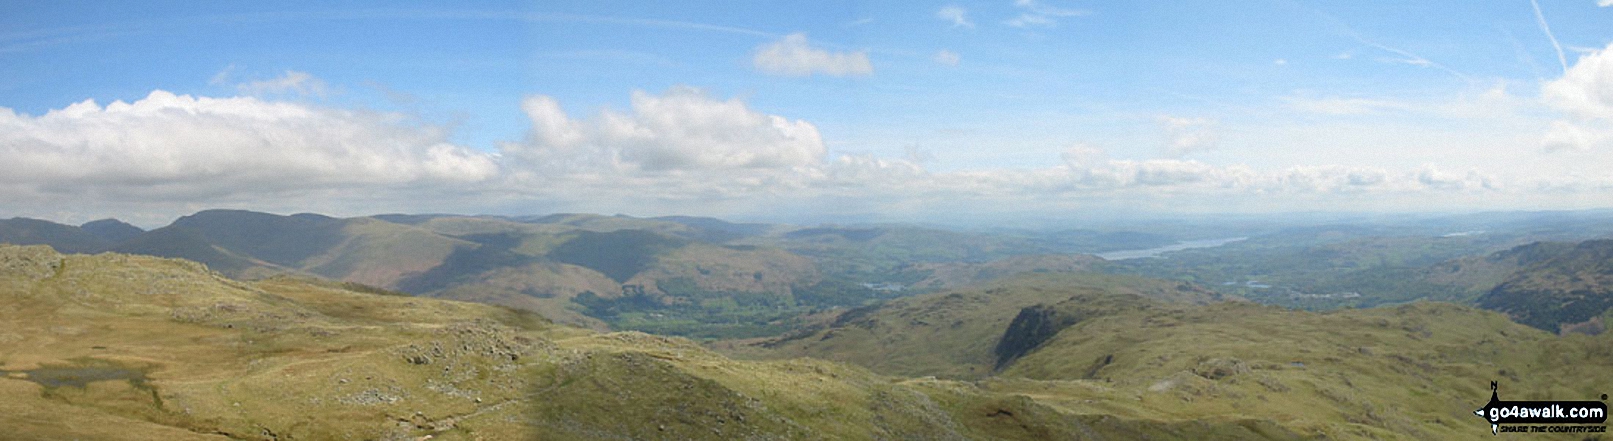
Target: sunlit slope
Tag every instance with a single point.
(1126, 347)
(1408, 372)
(164, 349)
(953, 333)
(943, 275)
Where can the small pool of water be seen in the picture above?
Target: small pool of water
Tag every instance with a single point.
(78, 376)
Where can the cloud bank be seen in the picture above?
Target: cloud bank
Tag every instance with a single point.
(169, 146)
(684, 150)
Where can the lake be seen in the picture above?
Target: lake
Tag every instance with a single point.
(1156, 251)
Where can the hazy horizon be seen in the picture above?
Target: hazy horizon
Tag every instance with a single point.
(1014, 112)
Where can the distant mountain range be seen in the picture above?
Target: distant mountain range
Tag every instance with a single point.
(701, 269)
(927, 333)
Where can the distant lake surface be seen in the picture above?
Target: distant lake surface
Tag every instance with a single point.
(1156, 251)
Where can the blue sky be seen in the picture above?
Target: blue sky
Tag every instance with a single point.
(820, 110)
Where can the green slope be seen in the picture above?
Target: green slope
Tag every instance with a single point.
(1566, 288)
(127, 347)
(953, 334)
(1407, 372)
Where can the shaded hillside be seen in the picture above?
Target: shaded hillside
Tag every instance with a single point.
(1478, 275)
(493, 251)
(111, 230)
(616, 254)
(717, 230)
(64, 238)
(1560, 288)
(248, 244)
(281, 240)
(1036, 324)
(189, 244)
(700, 288)
(662, 283)
(127, 347)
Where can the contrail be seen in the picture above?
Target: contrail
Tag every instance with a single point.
(1541, 18)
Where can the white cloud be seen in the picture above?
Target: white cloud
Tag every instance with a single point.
(1187, 135)
(1604, 3)
(223, 76)
(684, 151)
(293, 81)
(1436, 179)
(958, 16)
(947, 57)
(794, 56)
(1584, 94)
(1575, 136)
(1585, 89)
(179, 147)
(662, 167)
(1035, 13)
(681, 130)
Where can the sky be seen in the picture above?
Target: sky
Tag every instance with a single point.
(963, 112)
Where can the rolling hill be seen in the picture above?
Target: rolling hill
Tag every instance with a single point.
(115, 346)
(1560, 288)
(111, 230)
(67, 238)
(1413, 371)
(952, 334)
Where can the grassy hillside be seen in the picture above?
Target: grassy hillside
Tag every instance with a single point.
(1407, 372)
(1562, 287)
(124, 347)
(1414, 371)
(958, 274)
(953, 334)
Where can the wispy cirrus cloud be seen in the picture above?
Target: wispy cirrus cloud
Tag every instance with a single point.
(1540, 18)
(1035, 13)
(795, 56)
(957, 15)
(1187, 135)
(292, 81)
